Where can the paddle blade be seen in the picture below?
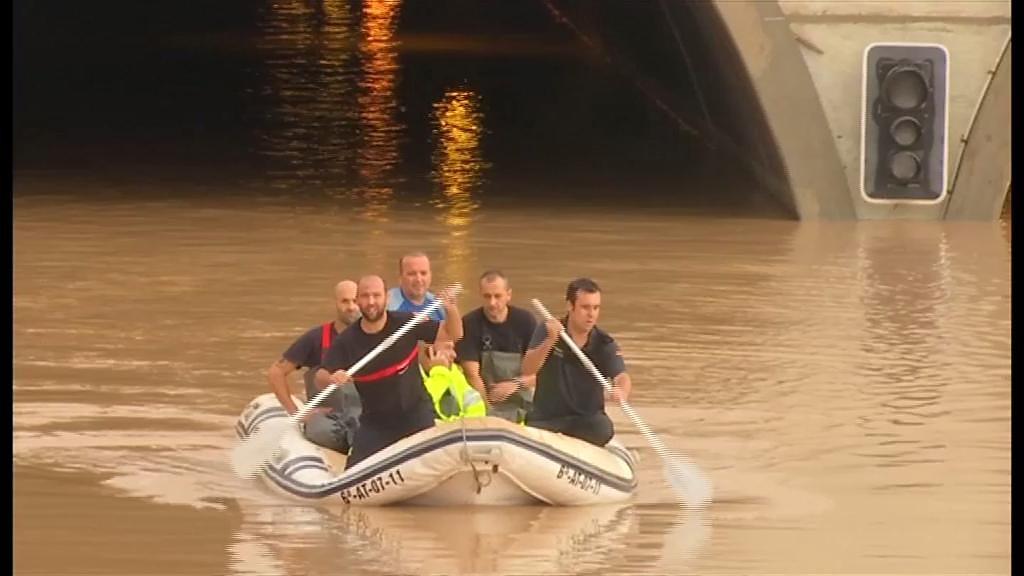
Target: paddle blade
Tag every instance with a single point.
(689, 483)
(251, 454)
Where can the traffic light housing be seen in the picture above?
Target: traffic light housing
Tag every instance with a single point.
(905, 113)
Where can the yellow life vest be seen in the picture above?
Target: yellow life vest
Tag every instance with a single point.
(452, 394)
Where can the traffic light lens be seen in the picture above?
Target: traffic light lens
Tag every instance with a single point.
(905, 131)
(904, 166)
(905, 88)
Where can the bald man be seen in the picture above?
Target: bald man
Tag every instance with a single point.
(395, 402)
(333, 423)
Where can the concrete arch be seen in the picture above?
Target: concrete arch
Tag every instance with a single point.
(809, 95)
(982, 180)
(797, 158)
(773, 88)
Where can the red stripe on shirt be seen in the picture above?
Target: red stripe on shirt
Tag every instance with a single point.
(390, 370)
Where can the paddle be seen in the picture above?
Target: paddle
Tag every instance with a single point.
(689, 484)
(251, 454)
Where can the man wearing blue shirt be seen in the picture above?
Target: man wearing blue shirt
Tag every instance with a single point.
(413, 294)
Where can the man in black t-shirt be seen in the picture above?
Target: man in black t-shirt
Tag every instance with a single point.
(495, 337)
(332, 424)
(568, 399)
(395, 401)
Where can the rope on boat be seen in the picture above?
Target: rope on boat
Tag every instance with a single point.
(465, 457)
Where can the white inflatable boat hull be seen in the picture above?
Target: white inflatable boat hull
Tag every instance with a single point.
(480, 461)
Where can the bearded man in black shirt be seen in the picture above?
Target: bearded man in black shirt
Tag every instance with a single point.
(395, 401)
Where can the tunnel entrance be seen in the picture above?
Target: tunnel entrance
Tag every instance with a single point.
(376, 100)
(596, 99)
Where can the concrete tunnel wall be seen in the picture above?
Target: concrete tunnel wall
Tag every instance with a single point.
(982, 184)
(803, 61)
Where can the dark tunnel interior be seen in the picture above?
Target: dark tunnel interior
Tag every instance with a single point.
(583, 99)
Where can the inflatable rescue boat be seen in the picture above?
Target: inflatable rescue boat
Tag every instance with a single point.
(475, 461)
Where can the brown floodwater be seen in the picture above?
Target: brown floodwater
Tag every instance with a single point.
(845, 385)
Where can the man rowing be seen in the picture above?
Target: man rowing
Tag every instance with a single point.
(394, 399)
(567, 398)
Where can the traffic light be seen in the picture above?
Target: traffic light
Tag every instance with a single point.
(904, 123)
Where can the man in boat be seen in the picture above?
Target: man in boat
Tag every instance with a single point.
(568, 399)
(446, 383)
(413, 291)
(333, 423)
(495, 337)
(395, 401)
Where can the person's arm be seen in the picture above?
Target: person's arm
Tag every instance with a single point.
(277, 377)
(302, 352)
(506, 388)
(468, 354)
(471, 368)
(615, 369)
(621, 387)
(439, 375)
(322, 379)
(540, 347)
(527, 326)
(331, 371)
(451, 328)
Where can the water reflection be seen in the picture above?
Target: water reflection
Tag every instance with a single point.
(481, 540)
(458, 169)
(310, 121)
(904, 279)
(331, 123)
(804, 328)
(380, 129)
